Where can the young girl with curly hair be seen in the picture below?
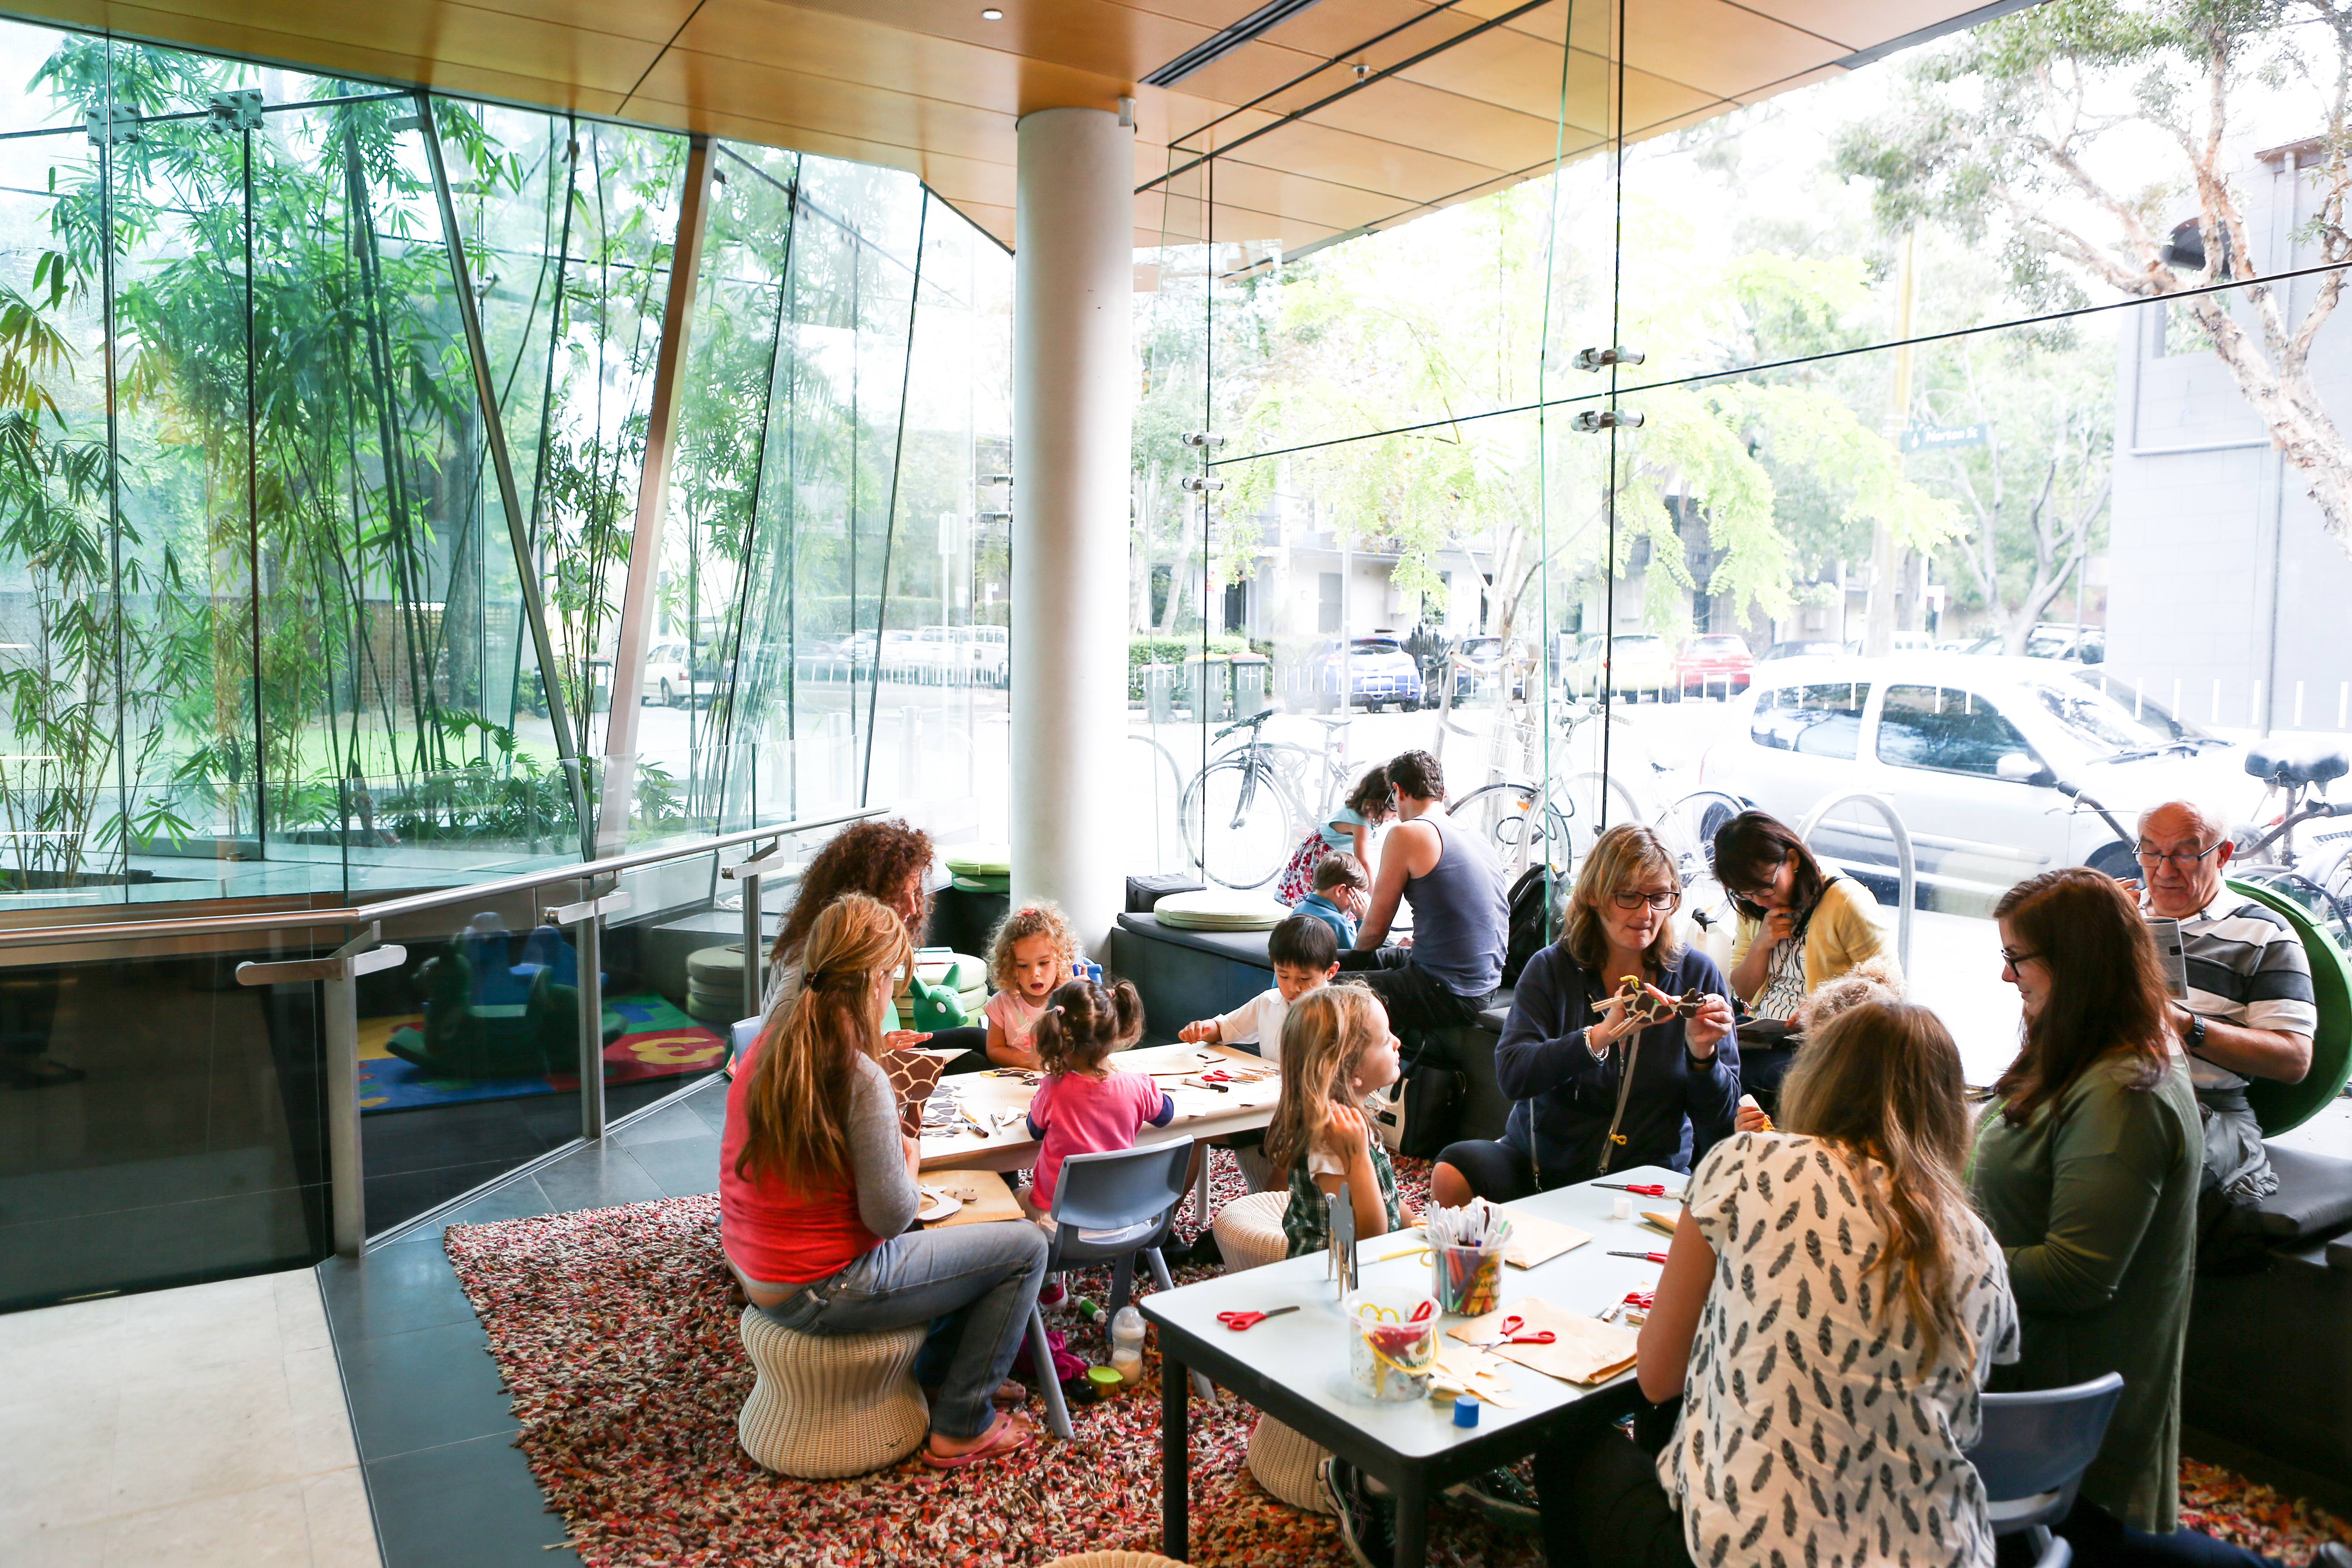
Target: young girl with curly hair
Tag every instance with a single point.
(1035, 950)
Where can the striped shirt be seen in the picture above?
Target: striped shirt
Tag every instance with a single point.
(2246, 966)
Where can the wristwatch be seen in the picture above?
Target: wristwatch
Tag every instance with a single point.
(2195, 1031)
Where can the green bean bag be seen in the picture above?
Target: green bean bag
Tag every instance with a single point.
(2282, 1107)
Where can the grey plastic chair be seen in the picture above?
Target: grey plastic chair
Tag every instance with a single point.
(1108, 1207)
(2031, 1454)
(739, 1038)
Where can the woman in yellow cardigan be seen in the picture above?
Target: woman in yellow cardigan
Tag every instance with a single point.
(1799, 927)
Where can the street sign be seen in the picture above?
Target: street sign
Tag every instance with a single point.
(1918, 437)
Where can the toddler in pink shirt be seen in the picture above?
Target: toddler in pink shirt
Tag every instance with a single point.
(1081, 1108)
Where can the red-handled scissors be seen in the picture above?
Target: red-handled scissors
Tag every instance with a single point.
(1640, 1189)
(1237, 1322)
(1644, 1257)
(1511, 1334)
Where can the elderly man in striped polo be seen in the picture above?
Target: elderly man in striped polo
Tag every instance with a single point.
(2249, 1011)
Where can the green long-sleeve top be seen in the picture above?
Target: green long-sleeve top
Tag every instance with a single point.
(2094, 1201)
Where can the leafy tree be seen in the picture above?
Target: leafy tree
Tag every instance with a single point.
(2004, 130)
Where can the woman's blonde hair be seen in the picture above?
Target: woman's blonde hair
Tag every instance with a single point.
(1040, 917)
(797, 1102)
(1084, 1022)
(1882, 1082)
(1325, 1035)
(1623, 857)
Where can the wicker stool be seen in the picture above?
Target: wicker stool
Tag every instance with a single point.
(827, 1406)
(1115, 1559)
(1249, 1231)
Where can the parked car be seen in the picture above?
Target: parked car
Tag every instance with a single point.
(1628, 665)
(1378, 671)
(1905, 642)
(1478, 666)
(1715, 663)
(667, 681)
(1971, 752)
(2053, 639)
(1808, 647)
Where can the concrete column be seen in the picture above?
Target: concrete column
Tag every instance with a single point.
(1073, 419)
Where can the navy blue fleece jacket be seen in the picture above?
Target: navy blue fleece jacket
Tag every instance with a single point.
(1566, 1098)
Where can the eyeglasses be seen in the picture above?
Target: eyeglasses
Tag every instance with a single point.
(1632, 898)
(2153, 857)
(2016, 959)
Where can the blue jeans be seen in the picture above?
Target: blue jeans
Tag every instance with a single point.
(983, 1277)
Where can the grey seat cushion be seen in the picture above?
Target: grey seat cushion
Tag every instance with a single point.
(1493, 1019)
(1241, 946)
(2314, 1200)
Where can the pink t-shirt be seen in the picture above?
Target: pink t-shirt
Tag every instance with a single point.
(1015, 1015)
(1075, 1114)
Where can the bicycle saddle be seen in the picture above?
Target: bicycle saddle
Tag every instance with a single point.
(1332, 724)
(2286, 763)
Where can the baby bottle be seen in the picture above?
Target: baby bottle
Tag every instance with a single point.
(1127, 1345)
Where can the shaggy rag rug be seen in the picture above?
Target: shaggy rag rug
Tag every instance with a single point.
(614, 1330)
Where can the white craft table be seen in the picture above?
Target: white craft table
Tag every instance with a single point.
(1201, 1113)
(1294, 1367)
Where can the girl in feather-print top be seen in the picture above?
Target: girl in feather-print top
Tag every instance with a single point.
(1828, 1313)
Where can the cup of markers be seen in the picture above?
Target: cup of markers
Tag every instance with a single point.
(1467, 1280)
(1392, 1343)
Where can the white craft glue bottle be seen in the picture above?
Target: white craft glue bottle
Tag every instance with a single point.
(1127, 1345)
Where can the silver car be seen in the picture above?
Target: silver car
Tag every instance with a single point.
(1972, 752)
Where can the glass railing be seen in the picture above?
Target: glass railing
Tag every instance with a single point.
(196, 1098)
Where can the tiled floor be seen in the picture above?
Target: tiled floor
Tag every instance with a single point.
(435, 1436)
(201, 1426)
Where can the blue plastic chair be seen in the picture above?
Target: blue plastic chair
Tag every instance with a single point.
(2031, 1454)
(1107, 1208)
(740, 1039)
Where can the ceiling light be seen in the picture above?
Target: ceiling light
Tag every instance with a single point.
(991, 15)
(1218, 45)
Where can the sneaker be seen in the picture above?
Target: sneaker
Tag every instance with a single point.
(1054, 1294)
(1365, 1525)
(1502, 1498)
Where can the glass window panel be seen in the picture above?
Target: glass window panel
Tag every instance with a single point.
(1955, 732)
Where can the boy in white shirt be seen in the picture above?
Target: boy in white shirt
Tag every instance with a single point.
(1306, 954)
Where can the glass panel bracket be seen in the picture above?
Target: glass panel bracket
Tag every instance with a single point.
(338, 972)
(586, 919)
(749, 873)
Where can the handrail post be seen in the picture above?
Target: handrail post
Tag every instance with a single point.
(340, 973)
(586, 919)
(749, 873)
(1906, 867)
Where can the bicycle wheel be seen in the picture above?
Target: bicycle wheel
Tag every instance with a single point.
(1505, 813)
(1240, 823)
(2330, 909)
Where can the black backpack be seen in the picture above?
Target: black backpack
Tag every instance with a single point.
(1532, 926)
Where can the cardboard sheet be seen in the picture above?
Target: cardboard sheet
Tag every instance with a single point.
(1535, 1240)
(1583, 1350)
(985, 1196)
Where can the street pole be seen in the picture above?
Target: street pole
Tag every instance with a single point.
(1885, 557)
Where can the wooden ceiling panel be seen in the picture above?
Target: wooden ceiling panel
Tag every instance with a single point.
(930, 86)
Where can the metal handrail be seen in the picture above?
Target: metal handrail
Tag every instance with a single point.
(416, 903)
(1907, 865)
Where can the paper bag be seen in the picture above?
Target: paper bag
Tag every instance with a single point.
(1535, 1240)
(1583, 1350)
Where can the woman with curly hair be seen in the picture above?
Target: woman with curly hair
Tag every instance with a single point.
(890, 862)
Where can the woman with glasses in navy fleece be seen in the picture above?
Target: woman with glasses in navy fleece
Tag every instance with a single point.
(1598, 1091)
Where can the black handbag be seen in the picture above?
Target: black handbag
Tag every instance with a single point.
(1432, 1110)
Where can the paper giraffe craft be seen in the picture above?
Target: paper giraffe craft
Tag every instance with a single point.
(1642, 1009)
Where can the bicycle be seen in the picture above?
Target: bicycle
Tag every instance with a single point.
(1252, 797)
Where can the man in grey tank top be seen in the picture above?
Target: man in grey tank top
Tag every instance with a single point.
(1460, 920)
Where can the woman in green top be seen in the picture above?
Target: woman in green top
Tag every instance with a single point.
(2086, 1167)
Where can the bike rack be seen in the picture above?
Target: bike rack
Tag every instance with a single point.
(1907, 866)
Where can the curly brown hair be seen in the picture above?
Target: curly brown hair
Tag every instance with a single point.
(875, 858)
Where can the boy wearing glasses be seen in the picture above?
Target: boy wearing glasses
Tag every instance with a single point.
(2249, 1013)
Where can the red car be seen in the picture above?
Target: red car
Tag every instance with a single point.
(1713, 666)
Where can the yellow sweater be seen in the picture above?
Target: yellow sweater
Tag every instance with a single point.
(1844, 933)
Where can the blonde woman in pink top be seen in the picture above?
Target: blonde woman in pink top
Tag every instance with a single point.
(1082, 1108)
